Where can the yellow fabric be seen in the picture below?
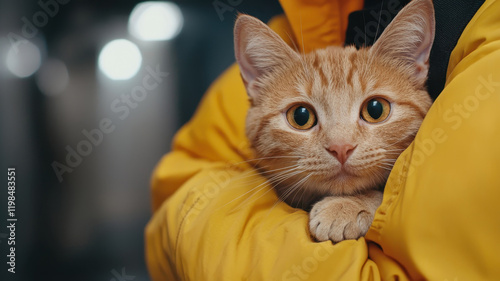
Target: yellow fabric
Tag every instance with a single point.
(439, 219)
(319, 23)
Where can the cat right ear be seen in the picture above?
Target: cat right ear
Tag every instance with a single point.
(258, 50)
(408, 39)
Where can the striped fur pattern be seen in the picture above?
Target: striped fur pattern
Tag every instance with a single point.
(335, 82)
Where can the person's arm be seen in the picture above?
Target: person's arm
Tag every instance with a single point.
(440, 219)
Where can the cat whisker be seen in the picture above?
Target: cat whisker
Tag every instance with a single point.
(259, 178)
(302, 36)
(299, 186)
(387, 164)
(254, 163)
(399, 149)
(298, 51)
(266, 158)
(252, 172)
(385, 168)
(388, 160)
(364, 22)
(399, 140)
(293, 42)
(394, 150)
(289, 191)
(279, 178)
(265, 171)
(251, 179)
(284, 178)
(296, 186)
(379, 18)
(365, 162)
(306, 69)
(393, 153)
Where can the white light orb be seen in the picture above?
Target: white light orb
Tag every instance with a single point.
(120, 59)
(155, 21)
(23, 59)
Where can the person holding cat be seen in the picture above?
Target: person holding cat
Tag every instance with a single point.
(326, 128)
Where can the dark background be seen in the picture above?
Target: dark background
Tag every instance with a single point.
(89, 226)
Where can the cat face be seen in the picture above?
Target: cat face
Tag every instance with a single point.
(333, 121)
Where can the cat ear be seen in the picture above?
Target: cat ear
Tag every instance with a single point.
(409, 38)
(258, 49)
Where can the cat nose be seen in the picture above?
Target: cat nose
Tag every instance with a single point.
(341, 152)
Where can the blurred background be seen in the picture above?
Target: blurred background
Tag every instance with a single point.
(91, 94)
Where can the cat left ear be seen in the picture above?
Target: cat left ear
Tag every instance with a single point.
(258, 49)
(409, 38)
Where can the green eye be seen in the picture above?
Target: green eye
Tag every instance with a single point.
(375, 110)
(301, 117)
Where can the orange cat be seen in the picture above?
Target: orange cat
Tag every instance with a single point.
(330, 124)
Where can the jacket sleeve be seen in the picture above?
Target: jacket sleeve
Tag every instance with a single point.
(215, 219)
(440, 218)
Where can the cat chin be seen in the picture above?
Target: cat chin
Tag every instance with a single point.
(346, 183)
(347, 187)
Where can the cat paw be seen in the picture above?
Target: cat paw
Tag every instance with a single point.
(339, 218)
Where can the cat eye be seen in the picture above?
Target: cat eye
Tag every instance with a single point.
(375, 110)
(301, 117)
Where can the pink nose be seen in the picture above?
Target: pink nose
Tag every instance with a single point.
(341, 152)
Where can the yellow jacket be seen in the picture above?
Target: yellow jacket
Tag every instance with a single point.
(439, 220)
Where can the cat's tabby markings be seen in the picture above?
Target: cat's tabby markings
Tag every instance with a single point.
(341, 116)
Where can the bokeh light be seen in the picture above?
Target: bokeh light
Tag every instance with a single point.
(23, 59)
(120, 59)
(155, 21)
(53, 77)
